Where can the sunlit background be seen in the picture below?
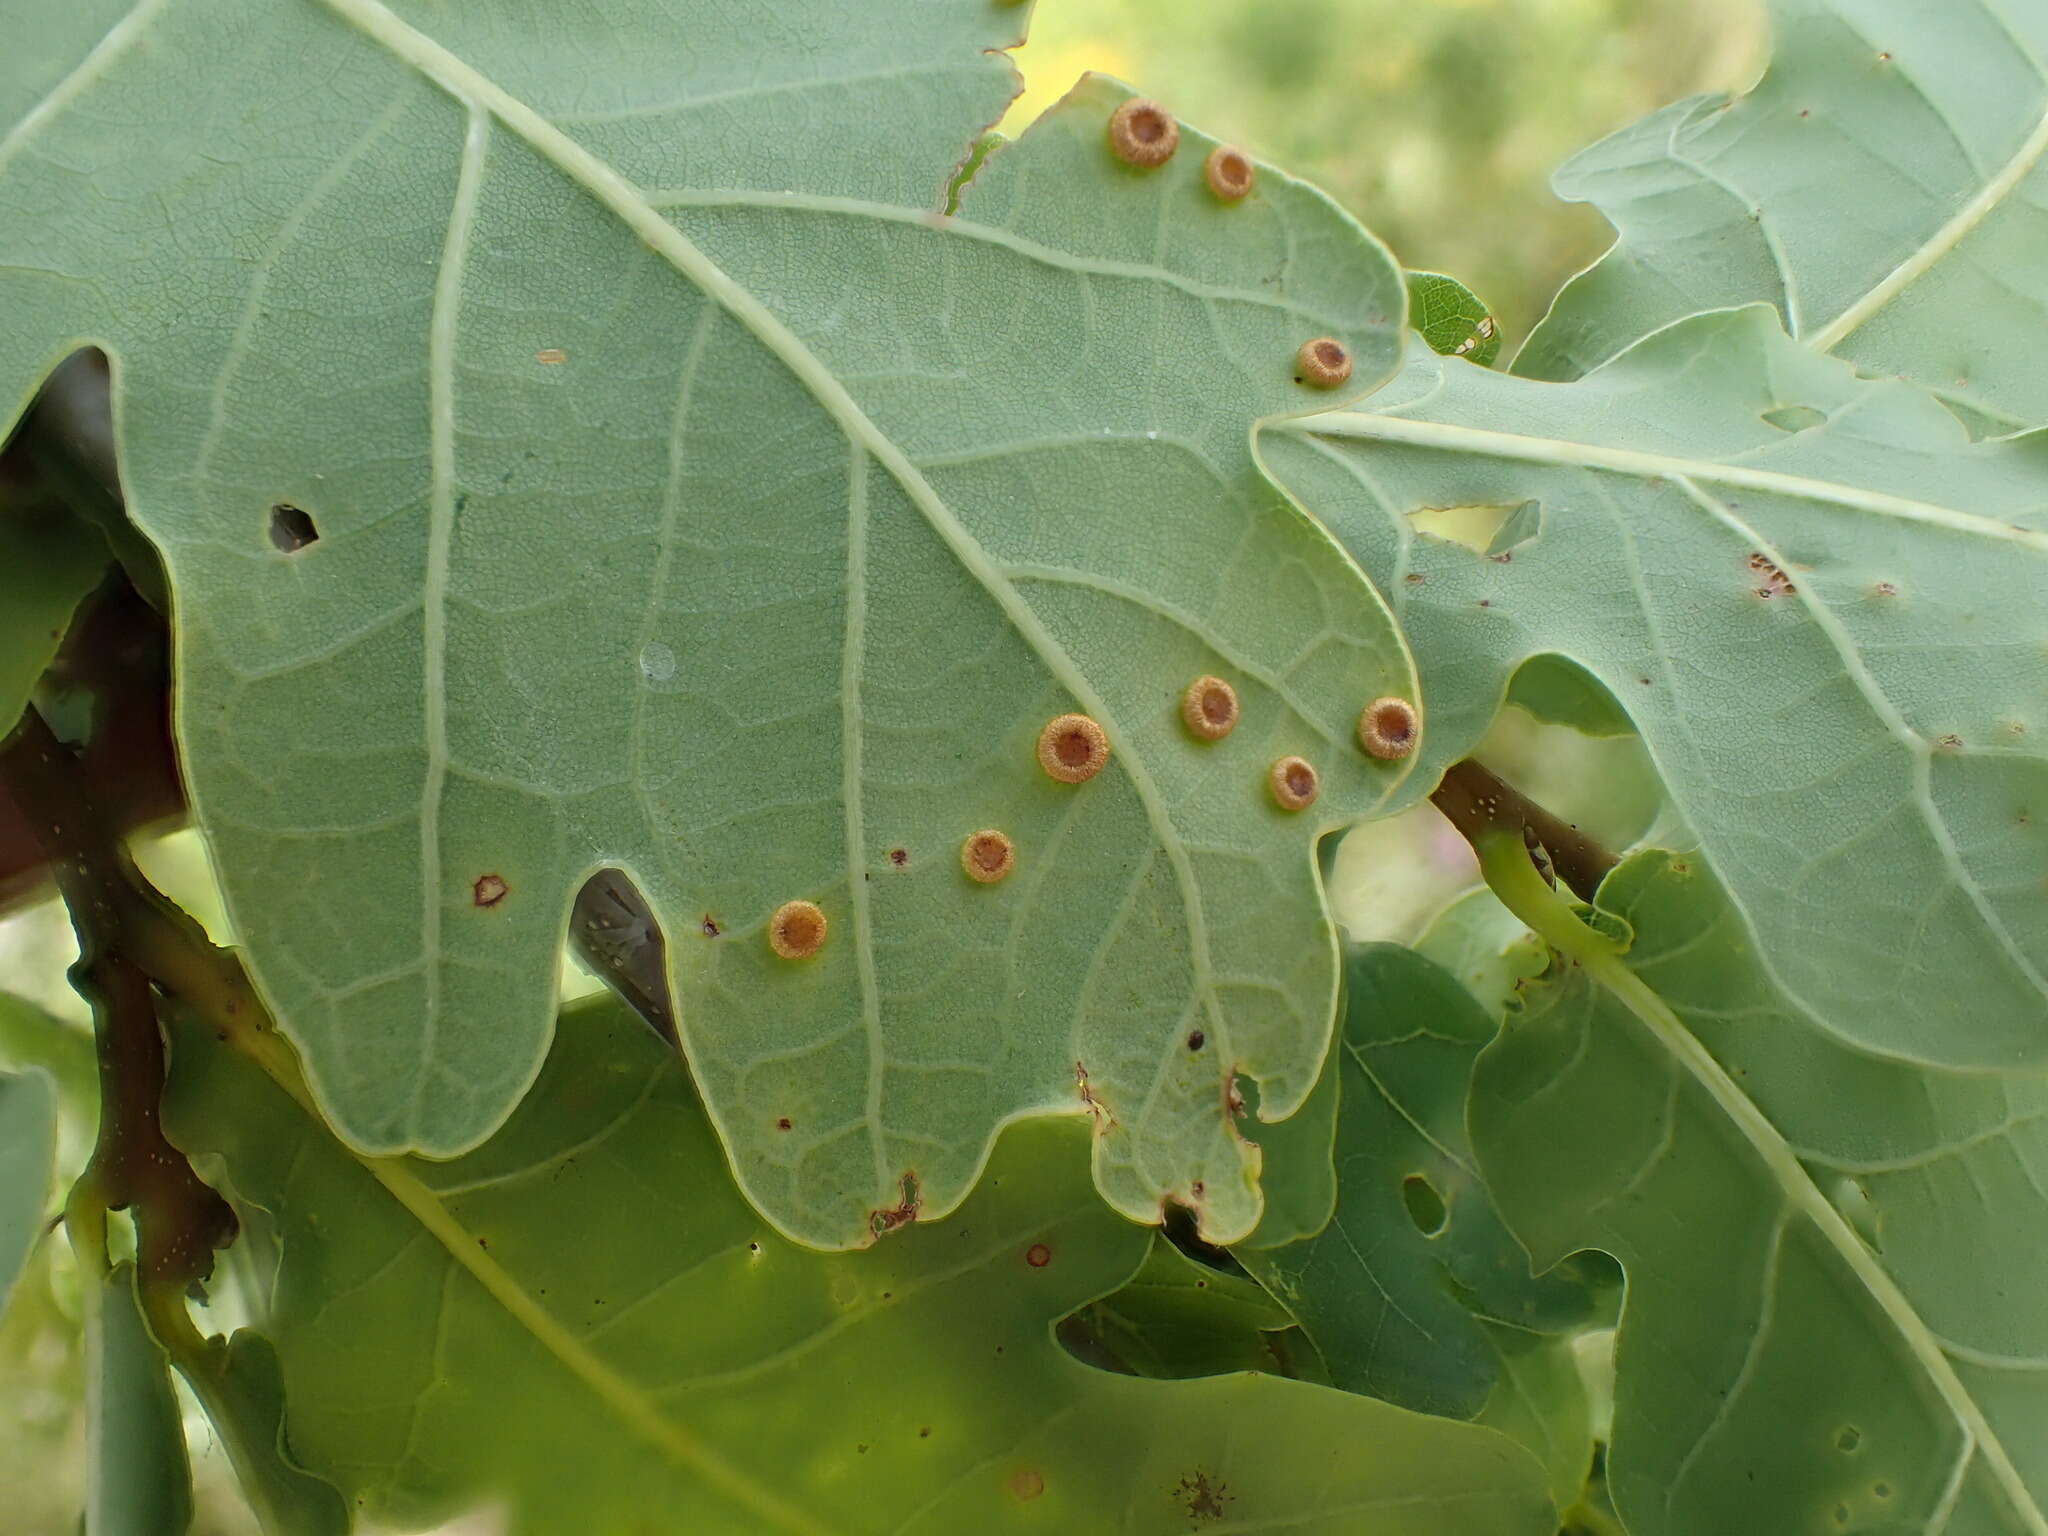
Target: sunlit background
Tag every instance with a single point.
(1437, 123)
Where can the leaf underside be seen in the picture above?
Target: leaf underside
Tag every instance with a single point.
(621, 466)
(1830, 636)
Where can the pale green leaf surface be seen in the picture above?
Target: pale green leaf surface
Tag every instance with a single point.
(1539, 1399)
(138, 1479)
(238, 1382)
(28, 1140)
(1832, 641)
(1395, 1290)
(1773, 1370)
(1483, 945)
(693, 497)
(456, 1331)
(1883, 186)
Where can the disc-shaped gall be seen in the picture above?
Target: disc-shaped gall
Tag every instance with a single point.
(797, 930)
(1143, 133)
(1072, 748)
(1387, 728)
(1323, 363)
(1228, 170)
(1209, 708)
(988, 856)
(1294, 783)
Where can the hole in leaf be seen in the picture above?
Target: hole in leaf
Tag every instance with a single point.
(291, 528)
(1795, 418)
(1426, 1207)
(1490, 528)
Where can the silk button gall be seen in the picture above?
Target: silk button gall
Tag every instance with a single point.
(988, 856)
(1294, 783)
(797, 930)
(1072, 748)
(1209, 708)
(1324, 363)
(1387, 729)
(1143, 133)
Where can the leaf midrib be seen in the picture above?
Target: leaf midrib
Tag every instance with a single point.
(624, 201)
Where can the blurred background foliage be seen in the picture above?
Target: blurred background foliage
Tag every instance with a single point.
(1436, 122)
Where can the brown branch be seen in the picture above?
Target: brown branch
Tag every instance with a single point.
(1476, 801)
(179, 1220)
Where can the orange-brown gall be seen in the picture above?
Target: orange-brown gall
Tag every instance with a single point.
(1072, 748)
(1294, 783)
(797, 930)
(1038, 1256)
(1209, 706)
(1387, 729)
(1143, 133)
(987, 856)
(1324, 362)
(1228, 170)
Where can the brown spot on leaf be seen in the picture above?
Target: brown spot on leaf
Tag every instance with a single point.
(1228, 170)
(1143, 133)
(797, 930)
(1196, 1040)
(902, 1214)
(1072, 748)
(899, 856)
(1387, 728)
(1027, 1485)
(1038, 1256)
(550, 356)
(783, 1124)
(489, 890)
(1294, 783)
(1204, 1499)
(987, 856)
(1323, 363)
(1208, 707)
(1772, 582)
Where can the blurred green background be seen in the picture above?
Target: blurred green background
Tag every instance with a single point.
(1437, 122)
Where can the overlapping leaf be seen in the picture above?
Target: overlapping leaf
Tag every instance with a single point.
(482, 1329)
(28, 1139)
(1833, 1316)
(687, 494)
(1818, 600)
(1884, 187)
(1397, 1291)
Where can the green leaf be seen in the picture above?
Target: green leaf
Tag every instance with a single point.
(1539, 1399)
(1394, 1291)
(1558, 691)
(28, 1141)
(1452, 318)
(692, 495)
(1774, 1370)
(690, 1361)
(1882, 186)
(238, 1382)
(47, 565)
(138, 1477)
(1832, 642)
(1177, 1318)
(1485, 946)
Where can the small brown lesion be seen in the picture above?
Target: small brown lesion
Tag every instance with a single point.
(489, 890)
(900, 857)
(1771, 579)
(1205, 1500)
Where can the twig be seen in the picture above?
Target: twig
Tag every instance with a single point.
(179, 1220)
(1478, 802)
